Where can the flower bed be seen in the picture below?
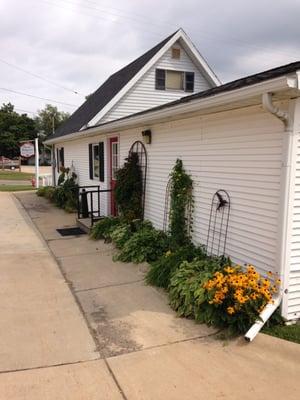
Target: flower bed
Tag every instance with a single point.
(209, 289)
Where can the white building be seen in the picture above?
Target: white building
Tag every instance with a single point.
(243, 137)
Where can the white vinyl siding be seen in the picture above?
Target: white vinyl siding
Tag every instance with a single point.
(237, 151)
(77, 153)
(143, 94)
(294, 273)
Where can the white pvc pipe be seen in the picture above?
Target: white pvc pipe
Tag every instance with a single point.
(263, 318)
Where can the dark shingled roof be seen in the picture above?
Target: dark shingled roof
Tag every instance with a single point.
(106, 92)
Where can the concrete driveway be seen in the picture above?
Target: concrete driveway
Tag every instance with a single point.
(75, 325)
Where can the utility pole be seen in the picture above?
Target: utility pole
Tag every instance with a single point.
(37, 166)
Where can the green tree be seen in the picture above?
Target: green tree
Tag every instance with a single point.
(14, 128)
(49, 119)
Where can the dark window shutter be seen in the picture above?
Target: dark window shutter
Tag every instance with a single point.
(189, 81)
(101, 162)
(57, 160)
(160, 79)
(91, 161)
(62, 157)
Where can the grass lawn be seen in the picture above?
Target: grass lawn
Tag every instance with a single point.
(15, 188)
(14, 175)
(287, 332)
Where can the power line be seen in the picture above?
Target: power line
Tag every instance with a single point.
(38, 76)
(231, 39)
(147, 32)
(37, 97)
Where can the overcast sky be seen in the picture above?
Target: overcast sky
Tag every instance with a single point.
(77, 44)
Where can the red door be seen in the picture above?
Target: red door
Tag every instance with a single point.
(113, 167)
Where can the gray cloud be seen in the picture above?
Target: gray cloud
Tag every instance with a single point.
(79, 43)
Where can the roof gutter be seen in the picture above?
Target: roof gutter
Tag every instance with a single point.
(178, 110)
(287, 117)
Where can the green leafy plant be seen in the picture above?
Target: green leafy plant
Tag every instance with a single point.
(181, 205)
(64, 195)
(103, 228)
(186, 292)
(160, 271)
(47, 192)
(42, 191)
(64, 172)
(121, 234)
(147, 244)
(128, 189)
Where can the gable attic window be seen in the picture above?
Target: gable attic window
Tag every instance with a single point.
(175, 53)
(174, 80)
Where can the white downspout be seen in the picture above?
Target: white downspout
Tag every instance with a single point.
(287, 119)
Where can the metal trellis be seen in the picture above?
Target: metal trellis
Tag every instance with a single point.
(218, 224)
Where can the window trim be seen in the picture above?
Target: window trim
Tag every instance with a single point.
(101, 173)
(161, 81)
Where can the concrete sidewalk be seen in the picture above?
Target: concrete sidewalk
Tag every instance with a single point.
(143, 351)
(46, 349)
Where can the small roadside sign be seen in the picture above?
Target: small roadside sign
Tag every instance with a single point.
(27, 150)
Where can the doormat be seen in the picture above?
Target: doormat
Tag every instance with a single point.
(71, 231)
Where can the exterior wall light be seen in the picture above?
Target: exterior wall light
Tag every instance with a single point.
(147, 136)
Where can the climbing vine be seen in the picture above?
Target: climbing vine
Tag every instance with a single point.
(181, 205)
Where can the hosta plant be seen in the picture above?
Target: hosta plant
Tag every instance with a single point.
(103, 228)
(186, 291)
(161, 270)
(144, 245)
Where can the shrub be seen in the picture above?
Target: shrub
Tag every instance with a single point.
(234, 298)
(42, 191)
(64, 173)
(120, 234)
(129, 188)
(147, 244)
(161, 270)
(46, 191)
(70, 189)
(186, 292)
(103, 228)
(65, 194)
(59, 196)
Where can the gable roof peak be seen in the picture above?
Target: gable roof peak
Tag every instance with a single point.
(103, 99)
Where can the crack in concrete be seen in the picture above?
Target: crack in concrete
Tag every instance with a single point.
(108, 286)
(48, 366)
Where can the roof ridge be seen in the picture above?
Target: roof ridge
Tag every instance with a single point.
(108, 90)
